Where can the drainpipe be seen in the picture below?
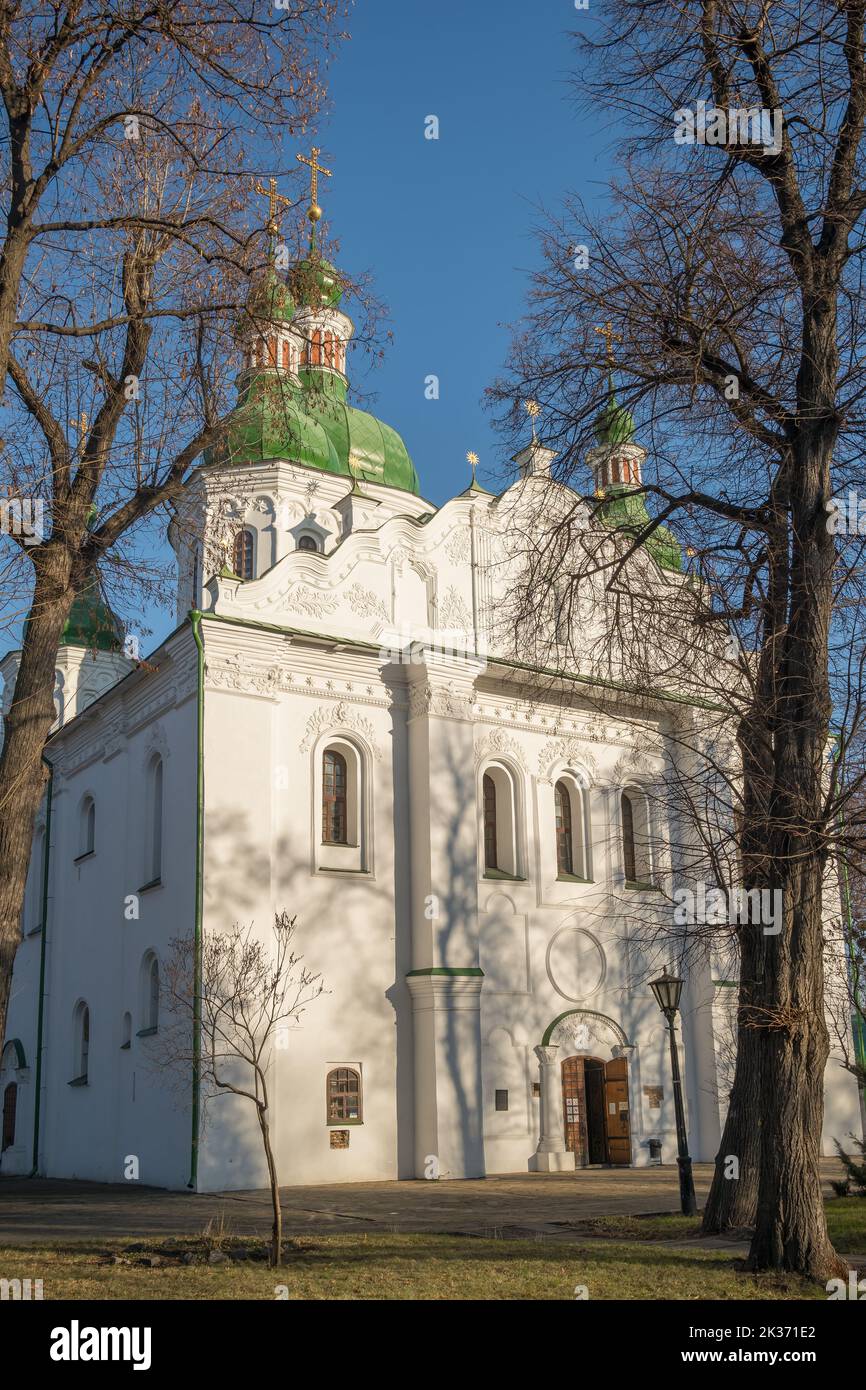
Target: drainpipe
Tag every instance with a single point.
(195, 621)
(42, 950)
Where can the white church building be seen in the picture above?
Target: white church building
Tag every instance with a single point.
(336, 729)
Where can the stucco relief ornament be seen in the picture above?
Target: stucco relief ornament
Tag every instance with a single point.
(366, 604)
(583, 1028)
(446, 701)
(301, 598)
(264, 505)
(336, 717)
(453, 612)
(565, 750)
(457, 547)
(498, 741)
(637, 762)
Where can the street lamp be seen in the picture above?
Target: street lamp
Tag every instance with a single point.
(667, 990)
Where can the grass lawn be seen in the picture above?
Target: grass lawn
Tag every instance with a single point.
(609, 1256)
(846, 1224)
(394, 1267)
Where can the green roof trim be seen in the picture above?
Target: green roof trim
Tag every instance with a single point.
(18, 1048)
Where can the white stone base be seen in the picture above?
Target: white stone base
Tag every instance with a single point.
(552, 1163)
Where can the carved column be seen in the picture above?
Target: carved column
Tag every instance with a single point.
(551, 1156)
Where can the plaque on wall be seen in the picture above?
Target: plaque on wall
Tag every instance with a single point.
(654, 1095)
(339, 1139)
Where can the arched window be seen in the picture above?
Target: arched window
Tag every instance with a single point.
(334, 799)
(87, 828)
(286, 354)
(491, 855)
(126, 1032)
(10, 1103)
(153, 866)
(636, 853)
(242, 554)
(307, 542)
(149, 994)
(628, 846)
(80, 1044)
(564, 843)
(343, 1091)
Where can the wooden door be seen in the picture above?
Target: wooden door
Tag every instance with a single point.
(574, 1116)
(596, 1128)
(616, 1112)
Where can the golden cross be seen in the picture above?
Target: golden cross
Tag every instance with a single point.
(533, 410)
(314, 212)
(273, 197)
(472, 460)
(610, 338)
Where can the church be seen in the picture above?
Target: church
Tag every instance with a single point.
(340, 727)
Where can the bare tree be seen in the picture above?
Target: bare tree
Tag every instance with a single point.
(732, 272)
(228, 1018)
(133, 137)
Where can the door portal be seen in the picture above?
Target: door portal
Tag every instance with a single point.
(595, 1105)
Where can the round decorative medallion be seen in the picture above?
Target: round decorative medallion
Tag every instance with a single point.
(576, 965)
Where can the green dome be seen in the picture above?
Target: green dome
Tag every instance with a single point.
(627, 511)
(270, 298)
(91, 623)
(316, 283)
(366, 447)
(314, 426)
(269, 422)
(615, 424)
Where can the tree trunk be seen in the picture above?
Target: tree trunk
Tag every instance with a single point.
(732, 1202)
(277, 1228)
(22, 772)
(791, 1234)
(791, 1231)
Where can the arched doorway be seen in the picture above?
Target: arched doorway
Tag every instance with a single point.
(596, 1110)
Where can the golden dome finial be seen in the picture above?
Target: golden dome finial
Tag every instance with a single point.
(314, 212)
(272, 226)
(533, 410)
(472, 460)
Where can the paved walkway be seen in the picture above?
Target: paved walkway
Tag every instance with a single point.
(515, 1204)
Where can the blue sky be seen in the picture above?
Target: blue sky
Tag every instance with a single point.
(446, 228)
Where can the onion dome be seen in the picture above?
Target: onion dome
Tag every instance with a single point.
(270, 421)
(626, 510)
(615, 424)
(366, 447)
(270, 298)
(316, 284)
(91, 623)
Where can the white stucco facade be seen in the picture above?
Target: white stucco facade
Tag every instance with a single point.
(455, 992)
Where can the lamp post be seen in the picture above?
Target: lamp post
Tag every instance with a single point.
(667, 990)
